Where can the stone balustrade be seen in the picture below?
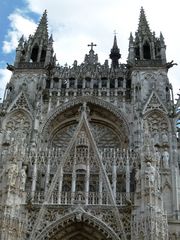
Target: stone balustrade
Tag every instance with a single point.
(88, 198)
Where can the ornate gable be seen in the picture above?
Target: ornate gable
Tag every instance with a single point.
(20, 102)
(153, 103)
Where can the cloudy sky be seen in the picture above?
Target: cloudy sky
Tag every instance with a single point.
(76, 23)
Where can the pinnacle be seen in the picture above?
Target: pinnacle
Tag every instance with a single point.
(115, 54)
(143, 26)
(115, 48)
(42, 29)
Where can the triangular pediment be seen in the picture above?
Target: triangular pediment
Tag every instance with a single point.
(20, 102)
(154, 103)
(82, 137)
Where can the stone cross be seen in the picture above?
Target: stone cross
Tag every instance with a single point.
(92, 45)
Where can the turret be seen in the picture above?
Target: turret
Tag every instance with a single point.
(163, 48)
(19, 50)
(38, 48)
(49, 53)
(131, 49)
(115, 54)
(146, 46)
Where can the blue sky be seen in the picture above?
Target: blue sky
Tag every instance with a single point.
(75, 23)
(7, 7)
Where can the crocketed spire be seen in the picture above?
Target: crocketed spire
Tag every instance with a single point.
(115, 54)
(143, 27)
(42, 29)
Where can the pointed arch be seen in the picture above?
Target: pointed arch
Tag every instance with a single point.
(34, 53)
(110, 108)
(161, 114)
(137, 52)
(78, 216)
(146, 50)
(43, 55)
(21, 112)
(16, 126)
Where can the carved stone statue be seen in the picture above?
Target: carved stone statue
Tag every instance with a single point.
(165, 159)
(8, 136)
(156, 138)
(157, 158)
(150, 173)
(12, 174)
(23, 178)
(164, 137)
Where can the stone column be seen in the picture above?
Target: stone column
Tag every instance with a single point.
(39, 53)
(127, 175)
(60, 83)
(49, 104)
(114, 178)
(83, 83)
(60, 185)
(47, 174)
(73, 187)
(100, 187)
(34, 178)
(108, 87)
(87, 184)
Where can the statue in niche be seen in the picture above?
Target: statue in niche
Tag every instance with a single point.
(157, 158)
(8, 136)
(12, 173)
(164, 137)
(23, 177)
(156, 138)
(165, 159)
(150, 173)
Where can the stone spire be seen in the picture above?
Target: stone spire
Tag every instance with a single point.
(115, 54)
(42, 29)
(131, 49)
(143, 27)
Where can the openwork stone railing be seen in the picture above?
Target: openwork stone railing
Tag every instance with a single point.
(148, 63)
(31, 65)
(107, 154)
(91, 198)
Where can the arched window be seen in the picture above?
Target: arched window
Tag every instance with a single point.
(34, 53)
(104, 82)
(71, 82)
(80, 83)
(88, 82)
(146, 51)
(80, 180)
(137, 53)
(43, 55)
(112, 83)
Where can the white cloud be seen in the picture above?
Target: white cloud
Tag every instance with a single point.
(4, 79)
(74, 24)
(20, 25)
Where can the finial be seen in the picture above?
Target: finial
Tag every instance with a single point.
(143, 24)
(92, 45)
(51, 39)
(42, 29)
(131, 38)
(115, 53)
(21, 41)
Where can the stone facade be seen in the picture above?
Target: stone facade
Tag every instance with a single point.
(90, 151)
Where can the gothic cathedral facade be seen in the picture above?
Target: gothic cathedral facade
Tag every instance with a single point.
(90, 151)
